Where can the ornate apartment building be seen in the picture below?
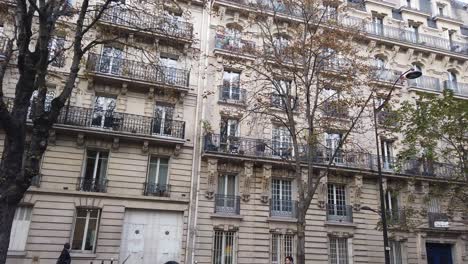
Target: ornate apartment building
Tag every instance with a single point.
(131, 176)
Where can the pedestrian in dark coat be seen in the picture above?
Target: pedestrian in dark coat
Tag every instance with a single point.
(65, 255)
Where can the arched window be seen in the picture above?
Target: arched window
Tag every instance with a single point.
(380, 62)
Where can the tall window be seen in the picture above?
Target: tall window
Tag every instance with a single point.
(111, 60)
(169, 70)
(281, 92)
(86, 229)
(158, 176)
(282, 246)
(409, 3)
(338, 250)
(378, 25)
(332, 143)
(234, 38)
(56, 51)
(163, 115)
(391, 204)
(224, 247)
(20, 228)
(386, 148)
(226, 200)
(331, 12)
(337, 209)
(414, 33)
(229, 135)
(103, 112)
(395, 252)
(452, 81)
(441, 9)
(95, 176)
(281, 197)
(231, 86)
(281, 142)
(280, 43)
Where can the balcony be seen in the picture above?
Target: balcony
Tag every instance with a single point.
(340, 213)
(121, 122)
(438, 220)
(136, 71)
(404, 35)
(91, 185)
(460, 89)
(396, 217)
(283, 208)
(227, 204)
(244, 148)
(335, 109)
(234, 45)
(232, 95)
(156, 189)
(139, 22)
(387, 76)
(263, 6)
(425, 83)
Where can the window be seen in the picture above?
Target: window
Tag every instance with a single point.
(280, 43)
(395, 252)
(441, 8)
(282, 246)
(281, 142)
(331, 12)
(224, 247)
(50, 95)
(20, 228)
(413, 33)
(408, 3)
(95, 175)
(231, 86)
(281, 198)
(338, 250)
(280, 92)
(452, 81)
(111, 60)
(158, 176)
(337, 208)
(86, 229)
(332, 141)
(386, 148)
(56, 51)
(234, 38)
(230, 134)
(169, 69)
(103, 112)
(226, 198)
(391, 204)
(163, 115)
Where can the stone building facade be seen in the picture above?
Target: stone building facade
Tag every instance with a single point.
(131, 177)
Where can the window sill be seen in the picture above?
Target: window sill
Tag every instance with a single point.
(17, 254)
(227, 216)
(282, 219)
(82, 255)
(337, 223)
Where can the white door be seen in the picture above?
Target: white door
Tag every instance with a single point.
(151, 237)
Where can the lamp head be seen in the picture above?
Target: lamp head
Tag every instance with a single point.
(413, 74)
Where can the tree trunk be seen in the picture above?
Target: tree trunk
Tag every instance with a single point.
(7, 212)
(301, 212)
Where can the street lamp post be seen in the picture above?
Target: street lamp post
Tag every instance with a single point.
(409, 74)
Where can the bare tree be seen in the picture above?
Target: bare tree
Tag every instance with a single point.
(27, 52)
(308, 76)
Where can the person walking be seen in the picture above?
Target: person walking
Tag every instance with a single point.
(64, 257)
(289, 260)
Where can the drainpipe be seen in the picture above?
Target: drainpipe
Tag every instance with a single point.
(198, 147)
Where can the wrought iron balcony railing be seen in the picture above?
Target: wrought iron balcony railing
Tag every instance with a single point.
(136, 70)
(121, 122)
(233, 95)
(156, 189)
(227, 204)
(426, 83)
(385, 75)
(340, 213)
(270, 149)
(91, 185)
(162, 25)
(457, 88)
(438, 220)
(283, 208)
(233, 44)
(335, 109)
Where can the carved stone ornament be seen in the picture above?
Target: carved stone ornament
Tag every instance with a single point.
(145, 146)
(115, 143)
(248, 173)
(357, 192)
(266, 183)
(80, 139)
(177, 150)
(212, 176)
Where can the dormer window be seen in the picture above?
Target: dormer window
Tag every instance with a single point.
(441, 9)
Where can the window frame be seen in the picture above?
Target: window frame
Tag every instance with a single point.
(102, 181)
(26, 212)
(156, 179)
(278, 242)
(85, 233)
(338, 252)
(222, 256)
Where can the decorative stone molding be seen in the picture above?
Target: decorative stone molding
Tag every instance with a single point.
(357, 192)
(124, 89)
(115, 143)
(340, 234)
(266, 183)
(177, 150)
(322, 191)
(221, 13)
(212, 177)
(145, 146)
(80, 140)
(151, 93)
(248, 173)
